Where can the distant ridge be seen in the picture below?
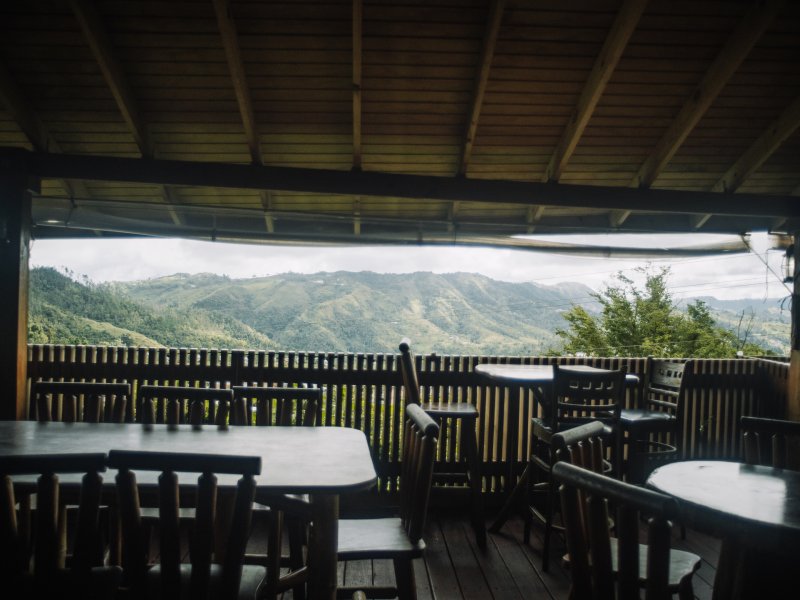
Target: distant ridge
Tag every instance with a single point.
(458, 313)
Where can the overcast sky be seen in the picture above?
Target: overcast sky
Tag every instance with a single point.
(725, 277)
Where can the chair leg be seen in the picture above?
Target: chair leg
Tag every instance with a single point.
(296, 529)
(270, 588)
(470, 444)
(404, 575)
(548, 522)
(685, 590)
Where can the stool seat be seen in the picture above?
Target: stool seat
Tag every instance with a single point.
(456, 410)
(634, 416)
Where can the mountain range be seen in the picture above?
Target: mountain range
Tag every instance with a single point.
(459, 313)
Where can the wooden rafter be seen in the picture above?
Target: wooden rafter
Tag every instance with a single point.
(735, 50)
(481, 80)
(230, 40)
(20, 109)
(766, 144)
(533, 216)
(266, 202)
(697, 221)
(618, 217)
(98, 41)
(358, 19)
(604, 65)
(396, 185)
(95, 34)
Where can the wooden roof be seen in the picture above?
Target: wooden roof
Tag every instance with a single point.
(415, 120)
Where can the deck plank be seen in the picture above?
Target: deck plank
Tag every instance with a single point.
(454, 568)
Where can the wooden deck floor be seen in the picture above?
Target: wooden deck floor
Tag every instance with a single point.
(454, 568)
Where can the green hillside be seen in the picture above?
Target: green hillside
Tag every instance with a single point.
(64, 311)
(370, 312)
(457, 313)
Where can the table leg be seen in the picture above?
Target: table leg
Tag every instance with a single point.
(745, 572)
(514, 500)
(322, 546)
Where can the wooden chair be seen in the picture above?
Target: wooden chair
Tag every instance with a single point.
(770, 442)
(582, 446)
(659, 414)
(463, 412)
(175, 405)
(400, 538)
(275, 405)
(579, 396)
(585, 497)
(280, 406)
(90, 402)
(87, 401)
(49, 575)
(205, 576)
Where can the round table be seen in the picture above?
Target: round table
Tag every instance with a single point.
(756, 512)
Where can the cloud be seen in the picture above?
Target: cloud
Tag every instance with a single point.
(723, 276)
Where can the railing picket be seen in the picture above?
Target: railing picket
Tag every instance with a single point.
(365, 391)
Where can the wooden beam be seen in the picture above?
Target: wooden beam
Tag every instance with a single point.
(170, 196)
(396, 185)
(15, 229)
(230, 40)
(96, 37)
(357, 216)
(618, 217)
(481, 79)
(758, 153)
(604, 65)
(697, 221)
(266, 202)
(111, 68)
(358, 18)
(21, 110)
(735, 50)
(533, 216)
(23, 114)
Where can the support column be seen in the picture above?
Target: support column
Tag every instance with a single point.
(15, 228)
(793, 393)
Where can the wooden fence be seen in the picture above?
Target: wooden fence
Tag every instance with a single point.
(365, 391)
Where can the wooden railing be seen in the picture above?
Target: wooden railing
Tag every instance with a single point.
(365, 391)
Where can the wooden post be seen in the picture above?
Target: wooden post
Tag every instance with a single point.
(793, 393)
(15, 228)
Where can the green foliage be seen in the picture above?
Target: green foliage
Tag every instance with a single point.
(457, 313)
(647, 322)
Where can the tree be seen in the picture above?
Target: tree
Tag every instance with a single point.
(647, 322)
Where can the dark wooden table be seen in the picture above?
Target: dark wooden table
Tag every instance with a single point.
(755, 510)
(321, 461)
(539, 379)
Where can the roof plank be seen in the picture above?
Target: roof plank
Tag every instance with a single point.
(735, 50)
(604, 66)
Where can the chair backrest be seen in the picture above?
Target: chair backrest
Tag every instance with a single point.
(408, 369)
(87, 401)
(202, 544)
(770, 441)
(582, 446)
(419, 449)
(177, 404)
(45, 542)
(584, 395)
(585, 496)
(276, 405)
(665, 385)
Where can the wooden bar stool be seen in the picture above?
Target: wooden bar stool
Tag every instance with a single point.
(467, 414)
